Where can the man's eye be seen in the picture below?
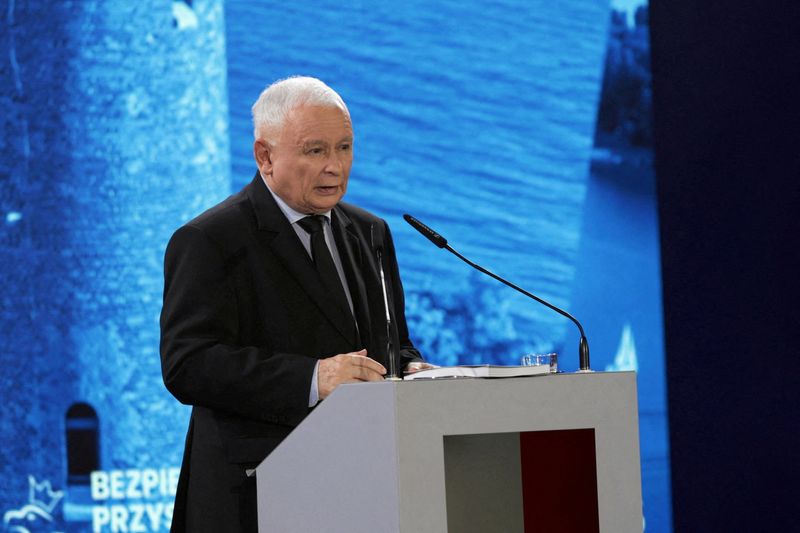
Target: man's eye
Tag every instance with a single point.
(346, 147)
(315, 151)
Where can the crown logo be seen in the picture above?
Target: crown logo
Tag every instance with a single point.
(42, 499)
(42, 495)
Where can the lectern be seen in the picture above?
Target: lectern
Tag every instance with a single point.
(545, 453)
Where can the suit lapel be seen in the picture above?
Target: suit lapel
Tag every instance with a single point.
(280, 238)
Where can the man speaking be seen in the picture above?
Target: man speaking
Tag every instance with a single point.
(272, 299)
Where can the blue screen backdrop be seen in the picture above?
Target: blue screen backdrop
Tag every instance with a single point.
(518, 130)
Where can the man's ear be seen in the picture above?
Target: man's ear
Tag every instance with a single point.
(262, 152)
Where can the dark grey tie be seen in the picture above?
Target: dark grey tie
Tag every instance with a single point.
(323, 261)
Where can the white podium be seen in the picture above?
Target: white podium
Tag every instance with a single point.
(545, 453)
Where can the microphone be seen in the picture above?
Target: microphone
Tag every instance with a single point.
(441, 242)
(429, 234)
(377, 247)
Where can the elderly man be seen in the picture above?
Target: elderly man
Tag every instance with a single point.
(271, 300)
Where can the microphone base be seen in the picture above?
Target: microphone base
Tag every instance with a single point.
(583, 353)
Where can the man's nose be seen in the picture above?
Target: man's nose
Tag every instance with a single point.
(335, 164)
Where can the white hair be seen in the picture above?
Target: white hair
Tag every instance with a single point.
(275, 102)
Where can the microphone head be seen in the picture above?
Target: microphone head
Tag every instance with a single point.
(431, 235)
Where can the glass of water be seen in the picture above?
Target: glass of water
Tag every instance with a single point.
(541, 359)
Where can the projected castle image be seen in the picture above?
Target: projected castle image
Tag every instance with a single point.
(114, 133)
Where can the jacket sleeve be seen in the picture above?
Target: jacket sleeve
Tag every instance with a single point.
(203, 361)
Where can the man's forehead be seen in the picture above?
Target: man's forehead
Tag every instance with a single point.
(309, 123)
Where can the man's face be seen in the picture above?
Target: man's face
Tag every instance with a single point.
(309, 166)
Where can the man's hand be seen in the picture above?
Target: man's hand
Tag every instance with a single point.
(347, 368)
(416, 366)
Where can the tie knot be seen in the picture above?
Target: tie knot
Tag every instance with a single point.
(312, 223)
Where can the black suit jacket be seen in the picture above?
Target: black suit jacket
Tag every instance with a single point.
(244, 321)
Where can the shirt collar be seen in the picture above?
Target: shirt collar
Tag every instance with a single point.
(291, 214)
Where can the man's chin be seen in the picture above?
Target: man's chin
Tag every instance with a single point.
(324, 203)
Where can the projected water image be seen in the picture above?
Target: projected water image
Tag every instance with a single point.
(482, 121)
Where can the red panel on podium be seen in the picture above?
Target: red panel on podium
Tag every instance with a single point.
(559, 481)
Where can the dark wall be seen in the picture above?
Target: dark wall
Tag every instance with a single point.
(726, 94)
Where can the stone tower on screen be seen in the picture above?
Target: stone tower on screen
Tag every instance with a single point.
(113, 132)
